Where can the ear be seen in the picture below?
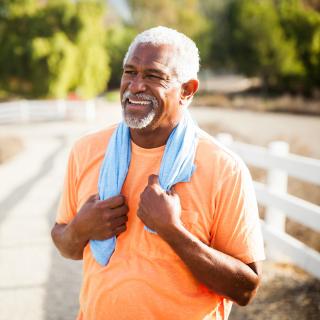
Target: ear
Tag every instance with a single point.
(188, 89)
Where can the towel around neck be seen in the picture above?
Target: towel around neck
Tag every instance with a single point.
(177, 165)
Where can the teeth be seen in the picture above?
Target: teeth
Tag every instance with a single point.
(139, 102)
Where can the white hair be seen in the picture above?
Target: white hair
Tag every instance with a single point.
(187, 60)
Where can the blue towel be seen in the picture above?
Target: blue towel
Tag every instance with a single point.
(177, 165)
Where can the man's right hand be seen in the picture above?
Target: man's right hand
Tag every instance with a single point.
(96, 220)
(100, 219)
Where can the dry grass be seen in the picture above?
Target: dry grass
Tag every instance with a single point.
(255, 102)
(286, 293)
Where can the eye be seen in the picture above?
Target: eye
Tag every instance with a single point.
(153, 76)
(129, 72)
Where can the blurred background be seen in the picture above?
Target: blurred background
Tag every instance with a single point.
(60, 69)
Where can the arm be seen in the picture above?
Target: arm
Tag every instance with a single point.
(65, 239)
(96, 220)
(219, 272)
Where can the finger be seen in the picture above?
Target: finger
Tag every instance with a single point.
(120, 229)
(93, 197)
(116, 212)
(140, 213)
(153, 179)
(119, 222)
(173, 191)
(112, 202)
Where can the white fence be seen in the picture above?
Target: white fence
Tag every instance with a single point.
(279, 163)
(46, 110)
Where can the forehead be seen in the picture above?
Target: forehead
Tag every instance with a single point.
(147, 55)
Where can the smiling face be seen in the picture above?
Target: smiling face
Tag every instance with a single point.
(150, 92)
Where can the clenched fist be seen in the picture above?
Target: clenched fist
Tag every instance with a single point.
(101, 219)
(159, 210)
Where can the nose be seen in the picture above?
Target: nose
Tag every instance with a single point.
(136, 84)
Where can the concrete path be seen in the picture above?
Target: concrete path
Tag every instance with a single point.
(35, 282)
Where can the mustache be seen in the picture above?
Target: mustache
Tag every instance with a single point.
(139, 96)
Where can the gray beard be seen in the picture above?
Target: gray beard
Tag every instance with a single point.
(135, 122)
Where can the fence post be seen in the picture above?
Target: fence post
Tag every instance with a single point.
(90, 110)
(277, 181)
(61, 108)
(24, 111)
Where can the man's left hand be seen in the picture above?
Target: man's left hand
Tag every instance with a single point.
(159, 210)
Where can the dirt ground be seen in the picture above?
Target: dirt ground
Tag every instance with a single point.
(246, 100)
(286, 293)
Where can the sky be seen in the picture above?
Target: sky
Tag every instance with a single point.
(122, 8)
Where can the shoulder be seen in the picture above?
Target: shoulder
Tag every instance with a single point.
(91, 147)
(212, 154)
(94, 141)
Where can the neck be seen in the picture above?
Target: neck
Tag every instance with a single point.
(149, 138)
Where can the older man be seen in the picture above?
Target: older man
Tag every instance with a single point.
(164, 218)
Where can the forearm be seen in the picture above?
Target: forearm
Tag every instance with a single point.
(67, 242)
(221, 273)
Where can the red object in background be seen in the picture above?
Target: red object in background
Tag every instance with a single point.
(73, 96)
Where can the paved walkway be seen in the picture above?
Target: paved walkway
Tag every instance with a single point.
(35, 282)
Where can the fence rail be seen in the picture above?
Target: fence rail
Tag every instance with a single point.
(46, 110)
(279, 163)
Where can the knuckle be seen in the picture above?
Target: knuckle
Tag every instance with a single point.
(106, 218)
(120, 199)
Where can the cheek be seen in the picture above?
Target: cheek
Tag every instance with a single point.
(172, 97)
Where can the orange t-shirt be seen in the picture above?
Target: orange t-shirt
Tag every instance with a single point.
(145, 279)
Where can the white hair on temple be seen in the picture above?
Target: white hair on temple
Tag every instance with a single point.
(187, 64)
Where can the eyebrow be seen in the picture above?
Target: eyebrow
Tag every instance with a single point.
(152, 70)
(129, 66)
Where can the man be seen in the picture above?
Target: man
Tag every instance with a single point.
(185, 252)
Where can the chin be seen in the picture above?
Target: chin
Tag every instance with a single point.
(134, 122)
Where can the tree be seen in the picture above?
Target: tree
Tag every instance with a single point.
(277, 40)
(184, 16)
(53, 48)
(301, 25)
(248, 38)
(118, 39)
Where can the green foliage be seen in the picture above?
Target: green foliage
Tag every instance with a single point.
(184, 16)
(256, 42)
(276, 40)
(52, 49)
(118, 40)
(301, 25)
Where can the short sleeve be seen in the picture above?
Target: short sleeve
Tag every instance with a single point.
(236, 229)
(68, 203)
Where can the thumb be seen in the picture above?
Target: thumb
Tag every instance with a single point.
(173, 192)
(153, 179)
(93, 197)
